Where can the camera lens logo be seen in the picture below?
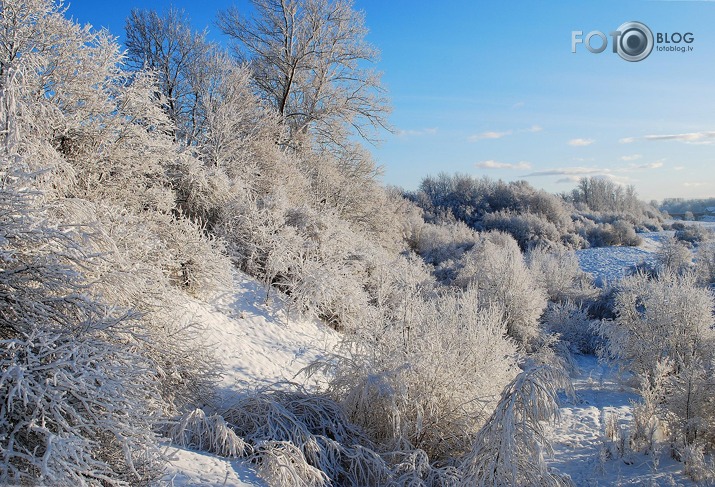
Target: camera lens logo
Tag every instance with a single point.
(635, 41)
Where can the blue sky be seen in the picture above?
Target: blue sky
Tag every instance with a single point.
(494, 89)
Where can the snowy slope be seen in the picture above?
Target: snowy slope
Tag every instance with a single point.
(258, 343)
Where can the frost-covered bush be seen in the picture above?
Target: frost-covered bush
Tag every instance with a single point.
(428, 379)
(559, 273)
(77, 400)
(301, 439)
(663, 333)
(496, 269)
(510, 448)
(620, 233)
(573, 325)
(529, 229)
(75, 410)
(705, 263)
(693, 234)
(673, 256)
(668, 317)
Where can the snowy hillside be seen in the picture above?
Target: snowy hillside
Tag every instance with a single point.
(260, 343)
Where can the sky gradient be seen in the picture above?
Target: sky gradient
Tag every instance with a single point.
(493, 89)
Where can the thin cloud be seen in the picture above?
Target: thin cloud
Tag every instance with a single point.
(569, 171)
(693, 185)
(517, 105)
(652, 165)
(678, 168)
(633, 157)
(489, 135)
(704, 137)
(534, 129)
(417, 133)
(688, 138)
(580, 142)
(503, 165)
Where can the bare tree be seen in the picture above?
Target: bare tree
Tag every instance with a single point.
(308, 59)
(181, 59)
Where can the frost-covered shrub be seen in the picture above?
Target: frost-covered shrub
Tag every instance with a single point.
(668, 317)
(529, 229)
(693, 234)
(428, 379)
(75, 410)
(616, 234)
(300, 439)
(663, 333)
(77, 400)
(510, 448)
(573, 325)
(439, 243)
(705, 263)
(559, 273)
(673, 256)
(496, 268)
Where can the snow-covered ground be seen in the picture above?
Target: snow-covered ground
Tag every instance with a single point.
(608, 264)
(258, 343)
(581, 449)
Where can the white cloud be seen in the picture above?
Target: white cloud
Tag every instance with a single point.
(489, 135)
(651, 165)
(534, 129)
(694, 185)
(417, 133)
(580, 142)
(503, 165)
(688, 138)
(633, 157)
(570, 171)
(517, 105)
(705, 137)
(678, 168)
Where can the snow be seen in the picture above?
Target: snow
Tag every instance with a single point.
(608, 264)
(259, 343)
(578, 439)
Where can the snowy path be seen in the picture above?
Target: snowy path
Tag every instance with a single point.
(578, 439)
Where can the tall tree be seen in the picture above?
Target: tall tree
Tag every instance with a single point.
(309, 62)
(182, 60)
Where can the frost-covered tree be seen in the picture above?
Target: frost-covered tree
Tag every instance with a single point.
(309, 62)
(182, 60)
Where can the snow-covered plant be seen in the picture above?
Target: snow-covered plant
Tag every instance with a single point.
(559, 273)
(673, 256)
(75, 410)
(304, 439)
(496, 268)
(428, 380)
(668, 317)
(705, 263)
(77, 401)
(510, 448)
(207, 433)
(573, 325)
